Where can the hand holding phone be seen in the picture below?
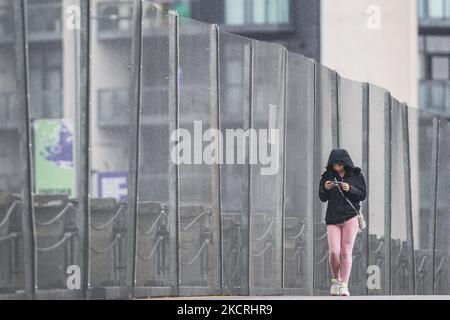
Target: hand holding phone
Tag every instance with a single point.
(329, 185)
(345, 186)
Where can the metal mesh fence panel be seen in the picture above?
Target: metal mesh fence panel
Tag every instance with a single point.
(402, 266)
(442, 243)
(235, 75)
(199, 218)
(12, 158)
(54, 99)
(266, 183)
(299, 179)
(423, 131)
(325, 140)
(110, 135)
(351, 130)
(378, 184)
(156, 225)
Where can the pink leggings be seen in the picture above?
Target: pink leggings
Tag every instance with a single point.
(341, 238)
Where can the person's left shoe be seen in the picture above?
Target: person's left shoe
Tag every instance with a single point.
(335, 284)
(343, 290)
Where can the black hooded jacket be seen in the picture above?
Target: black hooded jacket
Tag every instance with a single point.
(339, 210)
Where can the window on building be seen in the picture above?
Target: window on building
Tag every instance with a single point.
(437, 44)
(257, 12)
(434, 57)
(440, 67)
(434, 9)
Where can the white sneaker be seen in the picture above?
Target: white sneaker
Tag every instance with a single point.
(343, 290)
(335, 285)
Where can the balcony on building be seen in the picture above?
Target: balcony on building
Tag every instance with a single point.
(44, 19)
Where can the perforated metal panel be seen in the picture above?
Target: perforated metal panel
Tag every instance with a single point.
(266, 182)
(299, 177)
(111, 135)
(54, 76)
(156, 252)
(352, 129)
(378, 196)
(441, 264)
(423, 143)
(13, 186)
(235, 77)
(199, 217)
(326, 134)
(402, 266)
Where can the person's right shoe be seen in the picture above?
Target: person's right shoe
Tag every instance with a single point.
(335, 285)
(343, 290)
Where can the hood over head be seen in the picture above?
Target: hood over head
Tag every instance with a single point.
(341, 155)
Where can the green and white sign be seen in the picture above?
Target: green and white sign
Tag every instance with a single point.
(54, 157)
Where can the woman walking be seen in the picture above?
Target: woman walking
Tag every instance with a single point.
(341, 180)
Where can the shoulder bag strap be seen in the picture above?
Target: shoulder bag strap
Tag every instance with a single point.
(346, 197)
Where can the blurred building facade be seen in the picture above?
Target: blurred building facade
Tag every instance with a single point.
(434, 55)
(374, 41)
